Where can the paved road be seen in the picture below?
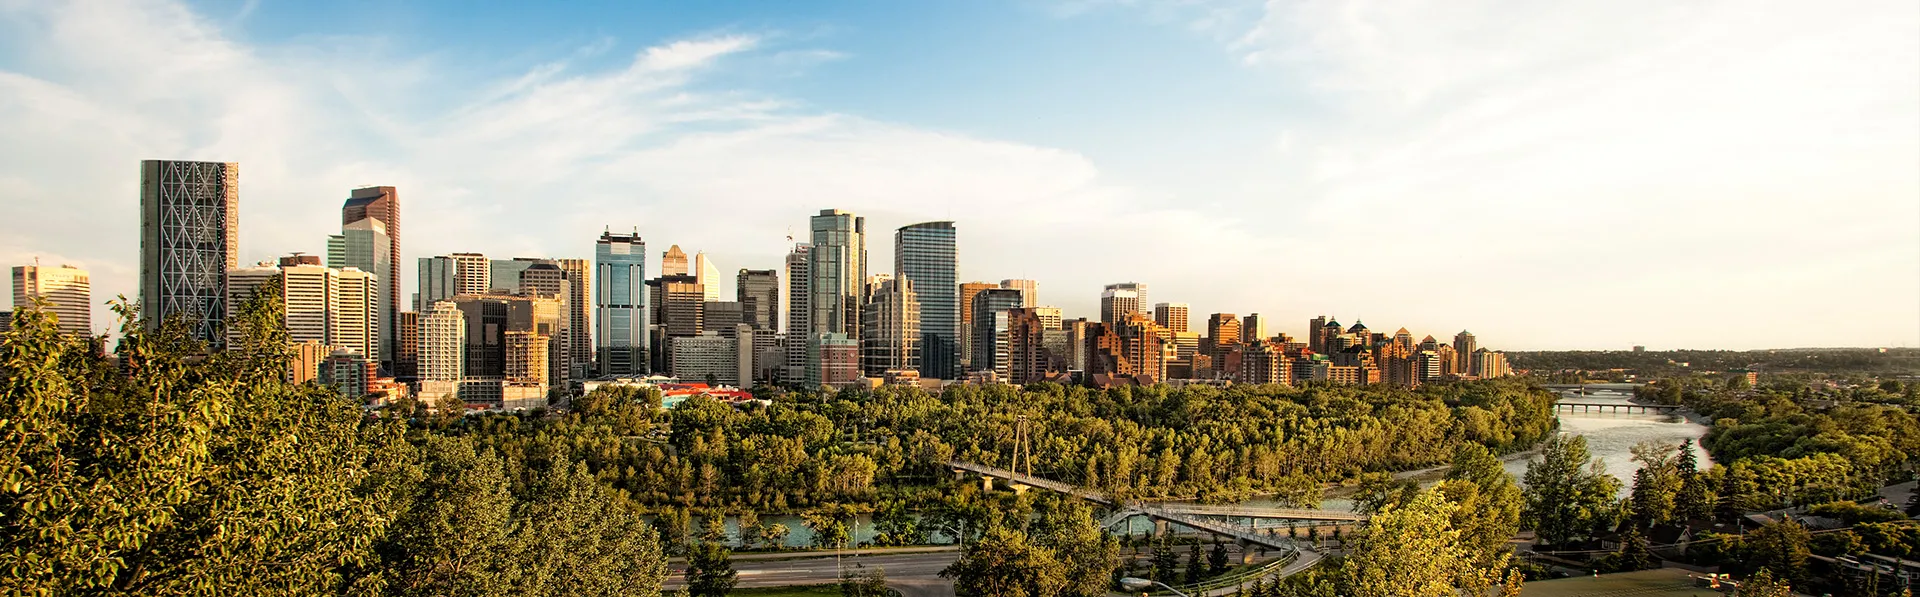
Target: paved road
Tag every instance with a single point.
(913, 574)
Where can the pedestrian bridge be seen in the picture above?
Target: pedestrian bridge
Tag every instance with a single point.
(1202, 518)
(1625, 409)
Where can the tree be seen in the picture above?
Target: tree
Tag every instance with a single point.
(1379, 490)
(710, 570)
(1086, 551)
(1165, 562)
(775, 535)
(1568, 493)
(1217, 558)
(1196, 565)
(1487, 503)
(1633, 554)
(750, 528)
(858, 581)
(1781, 547)
(1695, 500)
(1005, 563)
(1656, 485)
(1764, 584)
(1409, 550)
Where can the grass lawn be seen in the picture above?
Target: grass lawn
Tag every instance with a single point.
(829, 590)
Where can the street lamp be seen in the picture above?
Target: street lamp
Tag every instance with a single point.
(1140, 584)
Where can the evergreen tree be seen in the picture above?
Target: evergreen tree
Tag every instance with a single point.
(710, 570)
(1217, 559)
(1633, 554)
(1165, 563)
(1196, 565)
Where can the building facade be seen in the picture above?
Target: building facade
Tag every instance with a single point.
(707, 356)
(967, 291)
(1117, 300)
(1029, 290)
(890, 328)
(364, 245)
(579, 277)
(837, 272)
(620, 319)
(67, 290)
(799, 315)
(927, 256)
(989, 328)
(382, 205)
(189, 238)
(673, 262)
(758, 292)
(1172, 316)
(472, 273)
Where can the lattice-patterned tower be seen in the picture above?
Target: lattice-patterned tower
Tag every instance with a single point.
(189, 238)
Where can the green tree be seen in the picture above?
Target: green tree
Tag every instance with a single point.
(1781, 547)
(1487, 503)
(1568, 493)
(858, 581)
(1088, 554)
(1695, 500)
(1165, 562)
(1005, 563)
(1764, 584)
(1217, 558)
(710, 570)
(1410, 550)
(1196, 565)
(775, 535)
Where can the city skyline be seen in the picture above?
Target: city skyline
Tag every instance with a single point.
(1683, 260)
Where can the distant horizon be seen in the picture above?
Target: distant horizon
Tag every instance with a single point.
(1551, 178)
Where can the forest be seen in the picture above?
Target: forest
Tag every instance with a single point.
(1665, 363)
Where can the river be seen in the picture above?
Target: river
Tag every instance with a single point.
(1610, 437)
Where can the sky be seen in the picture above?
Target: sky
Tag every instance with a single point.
(1549, 175)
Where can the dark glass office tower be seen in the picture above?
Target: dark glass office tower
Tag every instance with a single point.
(927, 254)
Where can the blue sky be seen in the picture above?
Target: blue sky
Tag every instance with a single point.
(1583, 174)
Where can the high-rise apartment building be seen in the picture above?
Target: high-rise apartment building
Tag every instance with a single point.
(189, 238)
(799, 313)
(1029, 359)
(1489, 364)
(926, 255)
(364, 245)
(67, 290)
(890, 328)
(443, 342)
(472, 273)
(758, 292)
(1029, 290)
(1172, 316)
(527, 357)
(1463, 351)
(579, 280)
(1119, 299)
(673, 262)
(969, 290)
(1313, 332)
(1134, 346)
(620, 319)
(989, 327)
(382, 205)
(1265, 363)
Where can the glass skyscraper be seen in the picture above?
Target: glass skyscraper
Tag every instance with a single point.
(620, 304)
(927, 254)
(837, 276)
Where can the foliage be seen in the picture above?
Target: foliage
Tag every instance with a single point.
(1764, 584)
(1005, 563)
(1413, 550)
(1781, 547)
(1852, 513)
(1568, 492)
(710, 570)
(858, 581)
(158, 471)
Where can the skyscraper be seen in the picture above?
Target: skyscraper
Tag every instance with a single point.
(1313, 332)
(363, 244)
(580, 323)
(707, 276)
(443, 345)
(439, 281)
(758, 292)
(545, 279)
(337, 307)
(926, 255)
(1119, 299)
(68, 291)
(968, 290)
(380, 204)
(1172, 316)
(472, 273)
(1463, 353)
(1223, 329)
(989, 324)
(838, 270)
(799, 312)
(1029, 359)
(891, 328)
(673, 262)
(189, 238)
(1029, 290)
(837, 274)
(620, 305)
(1253, 328)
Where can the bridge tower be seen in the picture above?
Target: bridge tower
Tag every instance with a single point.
(1022, 449)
